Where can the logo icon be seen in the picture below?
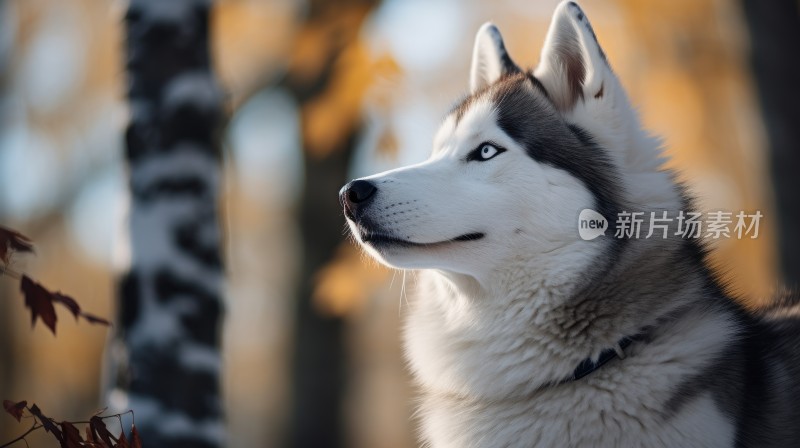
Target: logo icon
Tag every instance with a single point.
(591, 224)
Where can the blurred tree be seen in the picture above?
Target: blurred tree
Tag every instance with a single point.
(775, 36)
(166, 356)
(7, 351)
(328, 75)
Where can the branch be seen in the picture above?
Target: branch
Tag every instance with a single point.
(7, 271)
(22, 437)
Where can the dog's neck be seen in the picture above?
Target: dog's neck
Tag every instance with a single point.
(467, 340)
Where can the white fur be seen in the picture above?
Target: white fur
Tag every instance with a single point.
(486, 65)
(610, 119)
(477, 393)
(485, 337)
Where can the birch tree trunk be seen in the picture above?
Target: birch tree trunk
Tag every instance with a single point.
(166, 358)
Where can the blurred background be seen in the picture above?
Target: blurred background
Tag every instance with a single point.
(317, 92)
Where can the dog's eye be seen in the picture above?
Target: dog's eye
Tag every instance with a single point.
(484, 152)
(487, 152)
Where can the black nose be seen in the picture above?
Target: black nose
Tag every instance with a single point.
(356, 194)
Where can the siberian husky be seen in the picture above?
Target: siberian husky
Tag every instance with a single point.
(525, 334)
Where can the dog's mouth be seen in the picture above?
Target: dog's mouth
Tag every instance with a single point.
(378, 239)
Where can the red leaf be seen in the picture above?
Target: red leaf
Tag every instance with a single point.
(100, 430)
(11, 241)
(122, 442)
(68, 302)
(92, 319)
(15, 409)
(136, 441)
(48, 424)
(40, 301)
(91, 441)
(72, 437)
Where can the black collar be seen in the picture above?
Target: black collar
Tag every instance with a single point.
(588, 366)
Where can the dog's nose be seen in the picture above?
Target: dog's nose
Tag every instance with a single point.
(356, 194)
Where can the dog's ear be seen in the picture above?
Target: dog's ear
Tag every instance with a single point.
(490, 60)
(572, 66)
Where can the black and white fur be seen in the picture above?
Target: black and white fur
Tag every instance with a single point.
(512, 300)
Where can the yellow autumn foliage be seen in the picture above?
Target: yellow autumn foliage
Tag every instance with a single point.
(329, 118)
(344, 285)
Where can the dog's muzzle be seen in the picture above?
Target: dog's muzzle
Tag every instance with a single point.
(355, 196)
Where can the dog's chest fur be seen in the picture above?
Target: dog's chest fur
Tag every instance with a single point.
(483, 374)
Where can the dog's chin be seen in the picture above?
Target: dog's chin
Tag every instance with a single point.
(381, 240)
(408, 254)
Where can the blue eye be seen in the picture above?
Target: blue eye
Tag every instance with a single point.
(488, 151)
(484, 152)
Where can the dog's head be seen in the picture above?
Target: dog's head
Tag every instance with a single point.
(513, 164)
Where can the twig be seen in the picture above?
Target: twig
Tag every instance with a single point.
(5, 270)
(22, 437)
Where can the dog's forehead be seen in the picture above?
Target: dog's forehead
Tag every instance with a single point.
(482, 113)
(476, 117)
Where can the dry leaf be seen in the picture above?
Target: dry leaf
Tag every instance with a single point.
(48, 424)
(72, 437)
(40, 301)
(92, 319)
(69, 302)
(101, 431)
(12, 241)
(15, 409)
(136, 441)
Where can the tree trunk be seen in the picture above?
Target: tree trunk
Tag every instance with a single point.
(320, 361)
(7, 299)
(166, 358)
(775, 38)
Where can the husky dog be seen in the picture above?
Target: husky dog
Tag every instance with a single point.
(524, 334)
